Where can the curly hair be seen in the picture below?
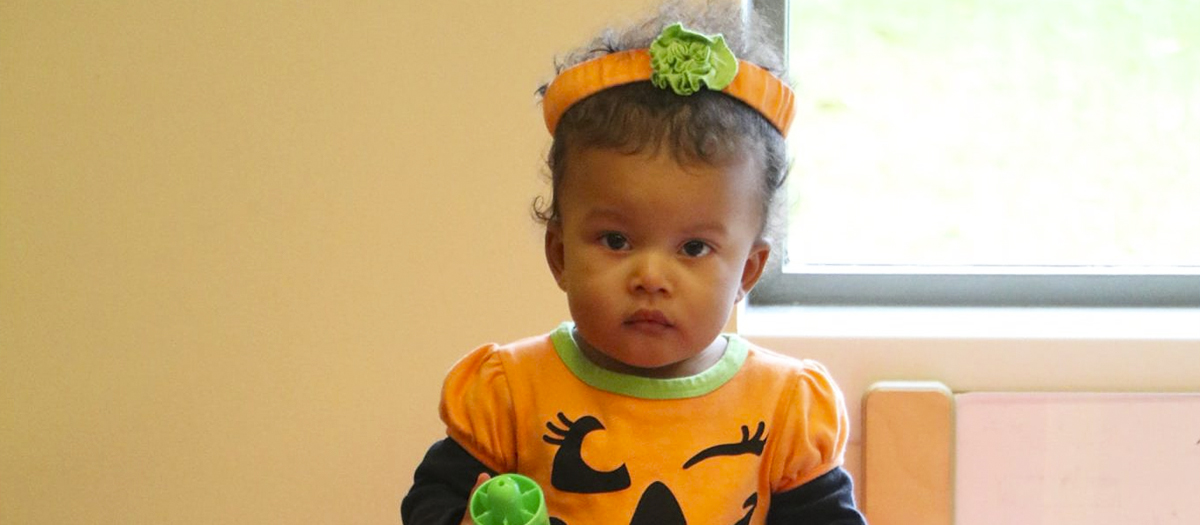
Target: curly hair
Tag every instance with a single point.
(707, 127)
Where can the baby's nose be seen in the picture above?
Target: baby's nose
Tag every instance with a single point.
(650, 274)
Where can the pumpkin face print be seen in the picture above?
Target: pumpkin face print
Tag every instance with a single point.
(657, 502)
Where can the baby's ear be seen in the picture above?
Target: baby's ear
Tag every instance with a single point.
(756, 262)
(555, 252)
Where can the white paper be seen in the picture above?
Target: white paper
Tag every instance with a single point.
(1075, 458)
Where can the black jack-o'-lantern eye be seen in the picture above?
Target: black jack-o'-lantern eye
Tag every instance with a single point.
(569, 472)
(748, 445)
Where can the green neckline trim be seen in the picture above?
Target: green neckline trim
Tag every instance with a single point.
(646, 387)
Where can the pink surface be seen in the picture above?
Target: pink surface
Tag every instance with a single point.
(1077, 458)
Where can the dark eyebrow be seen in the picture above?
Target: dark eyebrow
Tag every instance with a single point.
(748, 445)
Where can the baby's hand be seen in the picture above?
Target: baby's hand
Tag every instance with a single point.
(483, 476)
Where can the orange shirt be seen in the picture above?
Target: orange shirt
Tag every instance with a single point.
(710, 448)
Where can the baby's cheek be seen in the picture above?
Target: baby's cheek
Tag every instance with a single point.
(588, 304)
(599, 291)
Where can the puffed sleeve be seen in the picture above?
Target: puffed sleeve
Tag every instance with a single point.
(477, 409)
(812, 441)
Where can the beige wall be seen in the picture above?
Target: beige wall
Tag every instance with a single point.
(241, 243)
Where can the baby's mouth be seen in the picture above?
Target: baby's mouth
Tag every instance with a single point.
(648, 318)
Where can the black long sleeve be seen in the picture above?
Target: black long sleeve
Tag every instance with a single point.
(441, 486)
(826, 500)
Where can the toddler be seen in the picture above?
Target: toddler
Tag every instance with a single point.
(667, 160)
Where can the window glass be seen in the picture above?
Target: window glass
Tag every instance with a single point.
(996, 132)
(992, 153)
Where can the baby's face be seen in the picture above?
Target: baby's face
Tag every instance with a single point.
(653, 255)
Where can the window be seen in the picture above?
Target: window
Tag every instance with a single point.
(991, 153)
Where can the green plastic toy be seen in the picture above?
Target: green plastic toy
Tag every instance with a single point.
(509, 499)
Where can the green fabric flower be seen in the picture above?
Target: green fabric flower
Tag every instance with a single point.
(684, 60)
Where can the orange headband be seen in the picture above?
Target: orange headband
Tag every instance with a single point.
(753, 85)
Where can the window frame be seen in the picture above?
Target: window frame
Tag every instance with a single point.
(965, 286)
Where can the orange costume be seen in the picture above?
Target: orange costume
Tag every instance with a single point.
(608, 448)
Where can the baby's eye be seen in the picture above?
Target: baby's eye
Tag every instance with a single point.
(614, 241)
(696, 249)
